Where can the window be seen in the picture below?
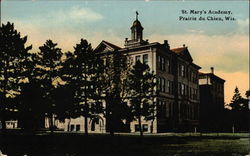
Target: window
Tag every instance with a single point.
(137, 128)
(170, 109)
(182, 70)
(72, 127)
(167, 110)
(190, 92)
(171, 87)
(160, 109)
(137, 58)
(179, 88)
(163, 109)
(163, 83)
(194, 94)
(187, 72)
(145, 127)
(168, 86)
(77, 127)
(159, 62)
(145, 59)
(194, 77)
(192, 112)
(159, 84)
(168, 66)
(182, 89)
(159, 106)
(163, 68)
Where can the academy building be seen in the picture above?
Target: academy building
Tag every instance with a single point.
(178, 99)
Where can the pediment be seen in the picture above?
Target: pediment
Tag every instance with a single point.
(184, 53)
(105, 46)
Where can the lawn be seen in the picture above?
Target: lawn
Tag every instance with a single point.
(169, 144)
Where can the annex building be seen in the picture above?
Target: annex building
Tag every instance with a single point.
(212, 101)
(178, 98)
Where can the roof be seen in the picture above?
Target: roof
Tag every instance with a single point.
(148, 45)
(111, 45)
(183, 52)
(106, 45)
(212, 76)
(137, 23)
(179, 50)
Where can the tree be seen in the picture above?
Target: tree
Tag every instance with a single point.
(30, 106)
(238, 102)
(64, 96)
(48, 67)
(248, 98)
(113, 90)
(247, 93)
(12, 54)
(141, 84)
(31, 110)
(79, 70)
(239, 111)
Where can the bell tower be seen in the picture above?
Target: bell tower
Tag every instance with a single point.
(136, 29)
(136, 34)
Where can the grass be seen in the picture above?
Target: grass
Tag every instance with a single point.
(211, 147)
(167, 144)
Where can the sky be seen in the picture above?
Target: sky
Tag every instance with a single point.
(221, 44)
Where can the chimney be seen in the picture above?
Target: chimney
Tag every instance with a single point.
(212, 70)
(166, 44)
